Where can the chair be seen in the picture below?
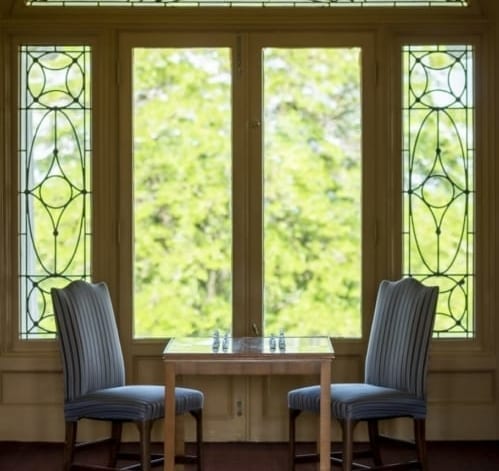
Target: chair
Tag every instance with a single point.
(394, 380)
(94, 380)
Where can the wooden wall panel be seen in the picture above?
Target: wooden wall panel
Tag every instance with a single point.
(464, 387)
(31, 387)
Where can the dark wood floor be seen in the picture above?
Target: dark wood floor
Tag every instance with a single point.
(443, 456)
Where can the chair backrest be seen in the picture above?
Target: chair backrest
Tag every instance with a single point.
(397, 353)
(88, 338)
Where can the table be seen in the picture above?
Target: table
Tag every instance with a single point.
(249, 356)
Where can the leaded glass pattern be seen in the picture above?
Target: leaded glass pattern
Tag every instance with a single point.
(438, 179)
(54, 178)
(251, 3)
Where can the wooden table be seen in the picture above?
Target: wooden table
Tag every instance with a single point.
(249, 356)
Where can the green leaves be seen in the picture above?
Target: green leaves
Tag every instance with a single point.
(312, 183)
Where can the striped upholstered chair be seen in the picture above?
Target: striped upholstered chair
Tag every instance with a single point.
(94, 379)
(394, 380)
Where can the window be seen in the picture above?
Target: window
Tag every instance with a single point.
(438, 191)
(54, 178)
(182, 191)
(246, 3)
(307, 183)
(296, 162)
(312, 190)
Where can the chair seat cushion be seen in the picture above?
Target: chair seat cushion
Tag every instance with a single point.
(131, 403)
(359, 401)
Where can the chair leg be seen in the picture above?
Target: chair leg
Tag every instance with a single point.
(145, 444)
(420, 438)
(116, 429)
(347, 426)
(293, 414)
(372, 426)
(198, 416)
(69, 445)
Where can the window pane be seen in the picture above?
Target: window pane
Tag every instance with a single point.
(182, 191)
(54, 178)
(438, 191)
(312, 200)
(255, 3)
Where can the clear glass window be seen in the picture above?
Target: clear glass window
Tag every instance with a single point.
(312, 191)
(182, 191)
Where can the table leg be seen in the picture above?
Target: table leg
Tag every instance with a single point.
(179, 440)
(325, 417)
(169, 421)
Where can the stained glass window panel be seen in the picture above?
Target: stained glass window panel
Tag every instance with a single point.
(438, 179)
(54, 178)
(251, 3)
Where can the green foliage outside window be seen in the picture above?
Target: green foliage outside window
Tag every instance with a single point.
(182, 172)
(312, 194)
(182, 192)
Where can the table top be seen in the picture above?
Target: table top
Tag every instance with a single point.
(248, 347)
